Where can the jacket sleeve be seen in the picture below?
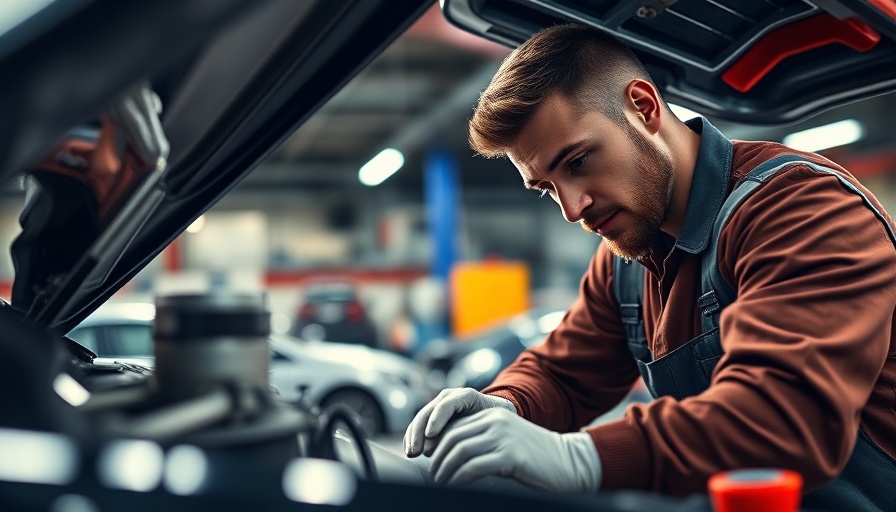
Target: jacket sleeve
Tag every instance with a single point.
(583, 368)
(804, 342)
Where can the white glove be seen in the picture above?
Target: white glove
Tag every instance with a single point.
(499, 443)
(423, 432)
(137, 113)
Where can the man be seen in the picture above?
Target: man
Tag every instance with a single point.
(807, 374)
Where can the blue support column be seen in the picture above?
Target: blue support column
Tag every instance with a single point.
(442, 196)
(442, 193)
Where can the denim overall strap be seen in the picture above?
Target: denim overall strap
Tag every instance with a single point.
(673, 374)
(628, 285)
(717, 293)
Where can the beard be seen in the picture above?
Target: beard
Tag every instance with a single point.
(652, 195)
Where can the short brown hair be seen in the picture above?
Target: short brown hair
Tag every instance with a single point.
(583, 63)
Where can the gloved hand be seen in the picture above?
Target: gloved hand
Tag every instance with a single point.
(427, 425)
(498, 443)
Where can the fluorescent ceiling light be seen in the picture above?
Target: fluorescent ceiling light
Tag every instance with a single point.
(827, 136)
(380, 167)
(682, 113)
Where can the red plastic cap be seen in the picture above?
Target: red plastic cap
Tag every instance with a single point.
(768, 490)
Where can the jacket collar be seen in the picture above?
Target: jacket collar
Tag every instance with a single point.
(709, 186)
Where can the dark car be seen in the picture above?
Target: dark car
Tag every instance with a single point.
(333, 311)
(486, 352)
(479, 367)
(236, 79)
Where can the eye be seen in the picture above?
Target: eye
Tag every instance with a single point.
(578, 162)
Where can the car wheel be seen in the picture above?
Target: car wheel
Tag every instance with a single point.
(370, 416)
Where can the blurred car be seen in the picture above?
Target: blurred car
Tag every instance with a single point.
(385, 390)
(333, 311)
(476, 359)
(119, 331)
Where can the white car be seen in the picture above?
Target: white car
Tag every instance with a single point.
(385, 390)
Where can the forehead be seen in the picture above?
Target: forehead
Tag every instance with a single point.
(545, 129)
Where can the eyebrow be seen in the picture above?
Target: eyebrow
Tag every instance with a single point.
(561, 154)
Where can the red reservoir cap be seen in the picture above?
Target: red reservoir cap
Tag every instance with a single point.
(753, 490)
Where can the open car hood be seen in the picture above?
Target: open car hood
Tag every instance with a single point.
(757, 62)
(235, 78)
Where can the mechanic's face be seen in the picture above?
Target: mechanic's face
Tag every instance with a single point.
(609, 178)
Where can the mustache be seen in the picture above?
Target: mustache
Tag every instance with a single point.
(592, 218)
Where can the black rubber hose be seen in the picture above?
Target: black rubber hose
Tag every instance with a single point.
(338, 412)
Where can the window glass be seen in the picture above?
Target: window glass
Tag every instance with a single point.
(86, 336)
(132, 340)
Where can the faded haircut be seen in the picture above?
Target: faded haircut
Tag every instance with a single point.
(586, 65)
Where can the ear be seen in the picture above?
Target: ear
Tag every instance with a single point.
(645, 103)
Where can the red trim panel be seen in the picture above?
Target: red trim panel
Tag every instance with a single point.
(796, 38)
(887, 7)
(358, 275)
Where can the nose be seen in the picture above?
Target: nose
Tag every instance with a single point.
(573, 202)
